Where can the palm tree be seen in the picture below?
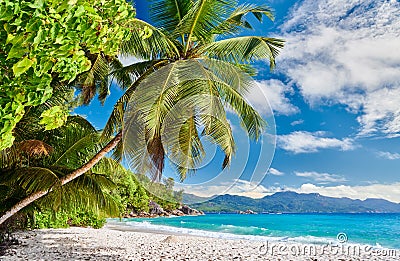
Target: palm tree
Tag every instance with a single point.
(188, 63)
(201, 72)
(39, 160)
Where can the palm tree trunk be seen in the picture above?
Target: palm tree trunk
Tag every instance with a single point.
(73, 175)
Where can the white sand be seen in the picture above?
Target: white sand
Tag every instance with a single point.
(110, 244)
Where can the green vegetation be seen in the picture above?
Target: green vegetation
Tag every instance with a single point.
(45, 43)
(190, 65)
(38, 160)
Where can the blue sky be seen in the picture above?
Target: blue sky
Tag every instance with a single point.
(335, 99)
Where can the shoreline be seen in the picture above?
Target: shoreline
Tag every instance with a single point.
(117, 243)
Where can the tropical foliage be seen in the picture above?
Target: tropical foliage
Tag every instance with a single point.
(185, 87)
(46, 42)
(40, 160)
(191, 69)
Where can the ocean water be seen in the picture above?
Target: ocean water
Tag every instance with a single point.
(371, 229)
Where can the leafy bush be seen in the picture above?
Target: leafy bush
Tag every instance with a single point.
(84, 218)
(130, 194)
(50, 219)
(42, 41)
(63, 219)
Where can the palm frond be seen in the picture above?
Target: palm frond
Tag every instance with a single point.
(158, 45)
(167, 14)
(250, 119)
(209, 107)
(95, 81)
(115, 121)
(133, 71)
(143, 117)
(80, 152)
(244, 49)
(77, 121)
(117, 74)
(182, 142)
(219, 130)
(202, 18)
(32, 179)
(93, 196)
(10, 157)
(106, 166)
(73, 142)
(232, 74)
(238, 16)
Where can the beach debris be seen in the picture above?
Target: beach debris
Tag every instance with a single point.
(171, 239)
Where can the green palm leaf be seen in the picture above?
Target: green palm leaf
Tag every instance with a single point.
(231, 74)
(237, 20)
(32, 179)
(244, 49)
(93, 197)
(95, 80)
(115, 121)
(167, 14)
(200, 21)
(156, 46)
(182, 142)
(126, 75)
(80, 152)
(250, 119)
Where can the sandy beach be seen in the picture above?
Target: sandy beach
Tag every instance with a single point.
(113, 243)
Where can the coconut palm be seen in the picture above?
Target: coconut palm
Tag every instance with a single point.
(202, 71)
(39, 160)
(191, 68)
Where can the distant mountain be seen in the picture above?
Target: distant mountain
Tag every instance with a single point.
(190, 199)
(292, 202)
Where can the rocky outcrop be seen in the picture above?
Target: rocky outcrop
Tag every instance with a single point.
(190, 211)
(157, 211)
(177, 212)
(249, 211)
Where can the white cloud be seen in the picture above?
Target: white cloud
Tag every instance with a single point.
(308, 142)
(271, 94)
(381, 112)
(298, 122)
(389, 192)
(235, 187)
(275, 172)
(128, 60)
(388, 155)
(321, 177)
(347, 52)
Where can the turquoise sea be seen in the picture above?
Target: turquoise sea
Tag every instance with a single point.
(371, 229)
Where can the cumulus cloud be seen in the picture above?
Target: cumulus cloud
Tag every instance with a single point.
(275, 172)
(388, 155)
(381, 112)
(235, 187)
(308, 142)
(271, 93)
(298, 122)
(389, 192)
(347, 53)
(321, 177)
